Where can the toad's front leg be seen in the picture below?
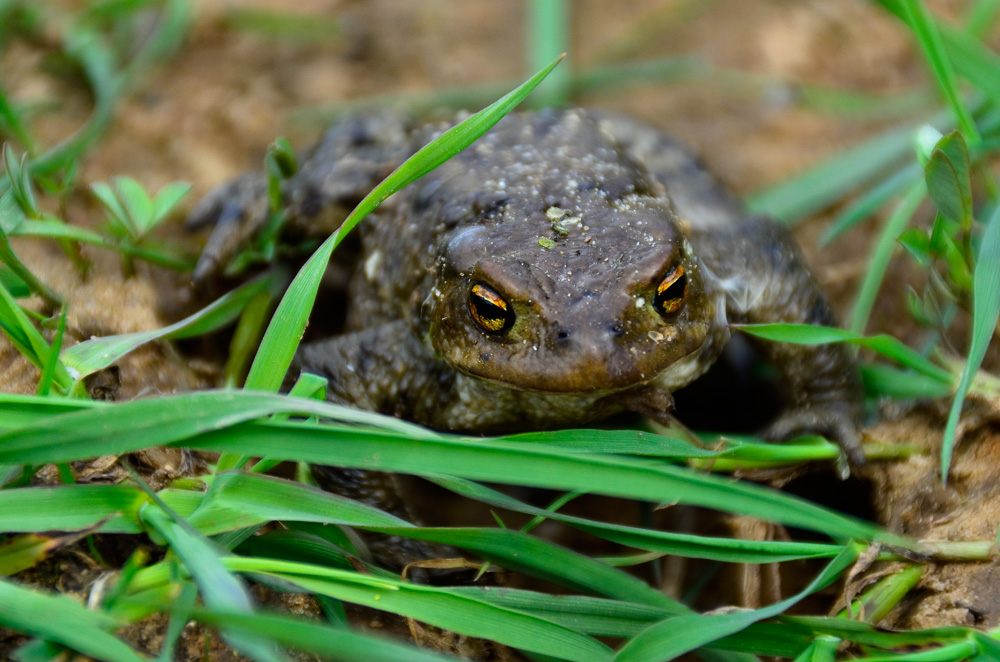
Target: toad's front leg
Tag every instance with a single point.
(766, 281)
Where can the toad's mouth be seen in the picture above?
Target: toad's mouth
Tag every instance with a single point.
(602, 375)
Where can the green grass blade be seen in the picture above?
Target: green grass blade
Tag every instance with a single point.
(989, 646)
(12, 124)
(97, 62)
(885, 345)
(969, 57)
(129, 426)
(27, 339)
(454, 612)
(822, 649)
(219, 421)
(62, 620)
(868, 203)
(254, 499)
(625, 442)
(878, 264)
(883, 381)
(925, 30)
(980, 16)
(675, 636)
(692, 546)
(820, 186)
(289, 322)
(548, 36)
(65, 508)
(219, 588)
(985, 312)
(518, 551)
(332, 643)
(594, 616)
(496, 461)
(53, 362)
(21, 410)
(92, 355)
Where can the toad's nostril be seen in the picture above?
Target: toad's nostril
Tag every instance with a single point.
(617, 330)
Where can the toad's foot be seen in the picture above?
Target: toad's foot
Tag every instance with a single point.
(835, 420)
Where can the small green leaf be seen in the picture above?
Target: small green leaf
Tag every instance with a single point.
(136, 202)
(20, 181)
(282, 156)
(167, 199)
(948, 178)
(118, 216)
(917, 243)
(12, 217)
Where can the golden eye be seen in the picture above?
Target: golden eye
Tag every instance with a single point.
(671, 291)
(489, 310)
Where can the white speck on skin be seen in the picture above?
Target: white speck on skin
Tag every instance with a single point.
(640, 302)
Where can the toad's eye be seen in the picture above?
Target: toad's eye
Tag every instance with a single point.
(671, 291)
(490, 311)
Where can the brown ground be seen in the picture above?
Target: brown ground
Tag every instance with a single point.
(209, 113)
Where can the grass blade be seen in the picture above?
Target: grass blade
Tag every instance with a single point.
(692, 546)
(925, 30)
(539, 558)
(455, 612)
(548, 35)
(218, 587)
(878, 265)
(818, 187)
(28, 341)
(60, 619)
(985, 312)
(332, 643)
(477, 459)
(885, 345)
(65, 508)
(680, 634)
(92, 355)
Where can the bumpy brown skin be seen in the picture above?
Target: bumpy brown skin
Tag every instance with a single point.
(587, 338)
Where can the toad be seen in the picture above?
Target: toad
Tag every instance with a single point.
(569, 265)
